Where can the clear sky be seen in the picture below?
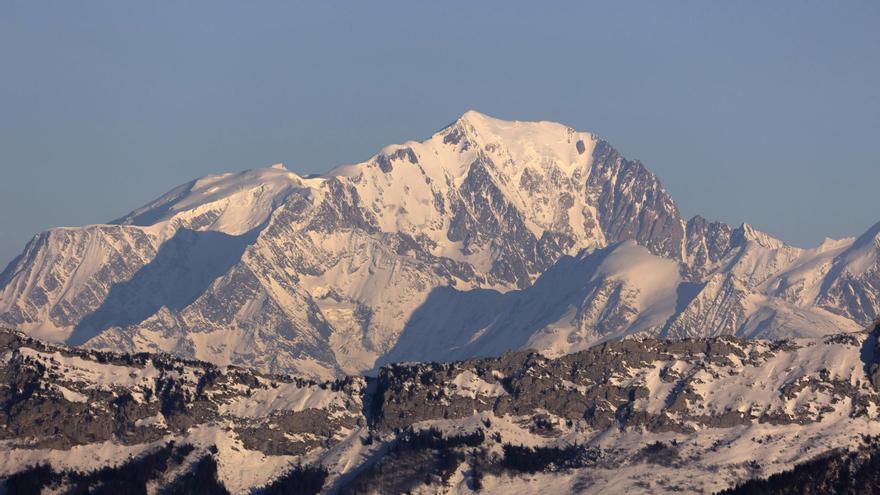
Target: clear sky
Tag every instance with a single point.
(766, 112)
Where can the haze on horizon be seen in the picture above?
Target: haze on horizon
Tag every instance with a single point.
(747, 112)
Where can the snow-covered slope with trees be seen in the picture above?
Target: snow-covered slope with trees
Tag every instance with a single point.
(630, 416)
(487, 236)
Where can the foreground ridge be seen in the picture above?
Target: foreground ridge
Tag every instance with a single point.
(700, 412)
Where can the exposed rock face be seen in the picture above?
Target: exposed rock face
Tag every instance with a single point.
(633, 205)
(698, 412)
(424, 252)
(102, 255)
(656, 385)
(707, 242)
(58, 397)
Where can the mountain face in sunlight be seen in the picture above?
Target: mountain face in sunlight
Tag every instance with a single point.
(488, 236)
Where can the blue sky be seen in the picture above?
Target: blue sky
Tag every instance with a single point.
(766, 112)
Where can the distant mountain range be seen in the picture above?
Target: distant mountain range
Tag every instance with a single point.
(490, 235)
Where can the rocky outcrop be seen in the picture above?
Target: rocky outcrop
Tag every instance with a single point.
(698, 411)
(61, 397)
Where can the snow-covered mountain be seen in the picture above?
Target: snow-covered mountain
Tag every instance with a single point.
(490, 235)
(634, 416)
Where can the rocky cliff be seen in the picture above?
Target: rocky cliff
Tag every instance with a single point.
(634, 416)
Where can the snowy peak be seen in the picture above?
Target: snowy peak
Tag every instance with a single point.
(453, 149)
(746, 232)
(864, 250)
(851, 287)
(233, 203)
(523, 142)
(478, 177)
(488, 235)
(478, 125)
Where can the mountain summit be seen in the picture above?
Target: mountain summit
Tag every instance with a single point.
(489, 235)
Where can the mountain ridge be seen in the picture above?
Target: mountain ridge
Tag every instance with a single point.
(324, 275)
(635, 416)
